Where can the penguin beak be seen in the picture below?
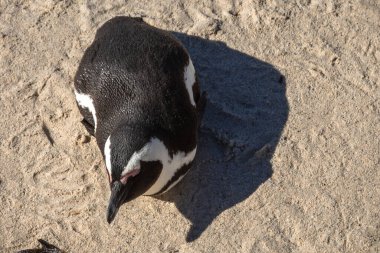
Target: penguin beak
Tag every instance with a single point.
(119, 193)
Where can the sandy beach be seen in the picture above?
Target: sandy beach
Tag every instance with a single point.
(288, 157)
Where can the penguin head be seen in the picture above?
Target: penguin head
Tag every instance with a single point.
(129, 175)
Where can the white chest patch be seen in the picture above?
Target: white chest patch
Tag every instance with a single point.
(85, 101)
(189, 76)
(156, 150)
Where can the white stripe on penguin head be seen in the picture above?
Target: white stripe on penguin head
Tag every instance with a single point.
(189, 76)
(107, 154)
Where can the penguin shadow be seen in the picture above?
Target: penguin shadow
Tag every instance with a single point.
(245, 114)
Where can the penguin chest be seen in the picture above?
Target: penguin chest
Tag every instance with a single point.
(174, 167)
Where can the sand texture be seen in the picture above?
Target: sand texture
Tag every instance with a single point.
(288, 157)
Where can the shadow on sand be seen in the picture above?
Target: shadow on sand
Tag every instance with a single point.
(245, 114)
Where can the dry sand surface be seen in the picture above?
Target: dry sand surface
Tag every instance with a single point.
(288, 157)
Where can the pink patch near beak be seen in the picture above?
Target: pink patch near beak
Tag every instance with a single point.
(133, 173)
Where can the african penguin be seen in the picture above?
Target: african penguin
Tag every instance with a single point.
(139, 95)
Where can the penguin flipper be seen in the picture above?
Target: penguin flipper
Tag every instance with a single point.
(87, 121)
(90, 128)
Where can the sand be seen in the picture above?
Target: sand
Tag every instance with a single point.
(288, 157)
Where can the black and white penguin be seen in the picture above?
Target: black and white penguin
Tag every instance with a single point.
(138, 92)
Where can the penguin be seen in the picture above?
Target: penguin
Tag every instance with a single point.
(139, 95)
